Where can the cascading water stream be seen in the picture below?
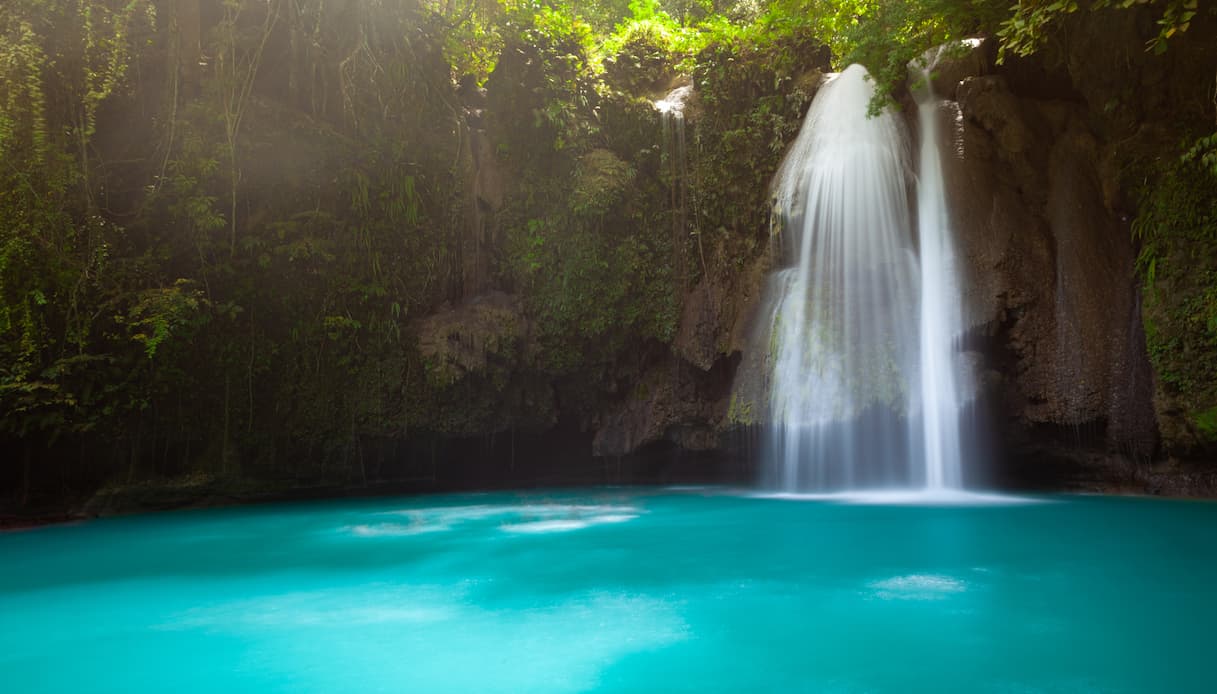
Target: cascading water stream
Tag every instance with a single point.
(844, 332)
(941, 321)
(866, 386)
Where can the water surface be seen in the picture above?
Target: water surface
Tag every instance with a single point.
(618, 590)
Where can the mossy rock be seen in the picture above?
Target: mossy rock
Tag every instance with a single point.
(471, 338)
(1206, 424)
(644, 63)
(601, 178)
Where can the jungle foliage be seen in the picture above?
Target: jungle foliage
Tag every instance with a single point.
(223, 222)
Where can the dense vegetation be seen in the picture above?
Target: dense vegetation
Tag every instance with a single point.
(227, 226)
(1178, 265)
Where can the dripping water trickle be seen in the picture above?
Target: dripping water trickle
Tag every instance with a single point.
(676, 168)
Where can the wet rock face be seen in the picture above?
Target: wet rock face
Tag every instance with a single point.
(672, 401)
(467, 339)
(1074, 138)
(1093, 290)
(477, 356)
(958, 62)
(715, 315)
(685, 400)
(1049, 265)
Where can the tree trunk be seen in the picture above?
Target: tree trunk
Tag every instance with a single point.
(233, 173)
(295, 53)
(227, 420)
(249, 374)
(134, 453)
(26, 461)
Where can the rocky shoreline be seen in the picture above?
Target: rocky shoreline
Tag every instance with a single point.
(1041, 468)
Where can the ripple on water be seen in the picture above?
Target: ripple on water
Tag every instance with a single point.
(564, 525)
(394, 529)
(917, 587)
(341, 607)
(514, 518)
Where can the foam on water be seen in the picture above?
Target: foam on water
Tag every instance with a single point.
(917, 587)
(452, 514)
(394, 529)
(905, 497)
(557, 526)
(518, 518)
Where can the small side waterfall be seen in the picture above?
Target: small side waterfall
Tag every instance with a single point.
(866, 386)
(942, 379)
(676, 166)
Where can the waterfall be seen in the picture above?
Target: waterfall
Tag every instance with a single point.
(844, 332)
(864, 306)
(676, 164)
(941, 320)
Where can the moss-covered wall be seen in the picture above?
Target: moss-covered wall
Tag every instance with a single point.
(1177, 228)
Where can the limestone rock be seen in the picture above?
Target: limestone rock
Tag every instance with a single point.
(955, 62)
(671, 402)
(467, 339)
(1048, 265)
(715, 315)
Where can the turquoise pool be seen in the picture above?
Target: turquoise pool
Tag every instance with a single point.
(625, 590)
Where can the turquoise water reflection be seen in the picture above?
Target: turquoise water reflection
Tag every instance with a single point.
(618, 590)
